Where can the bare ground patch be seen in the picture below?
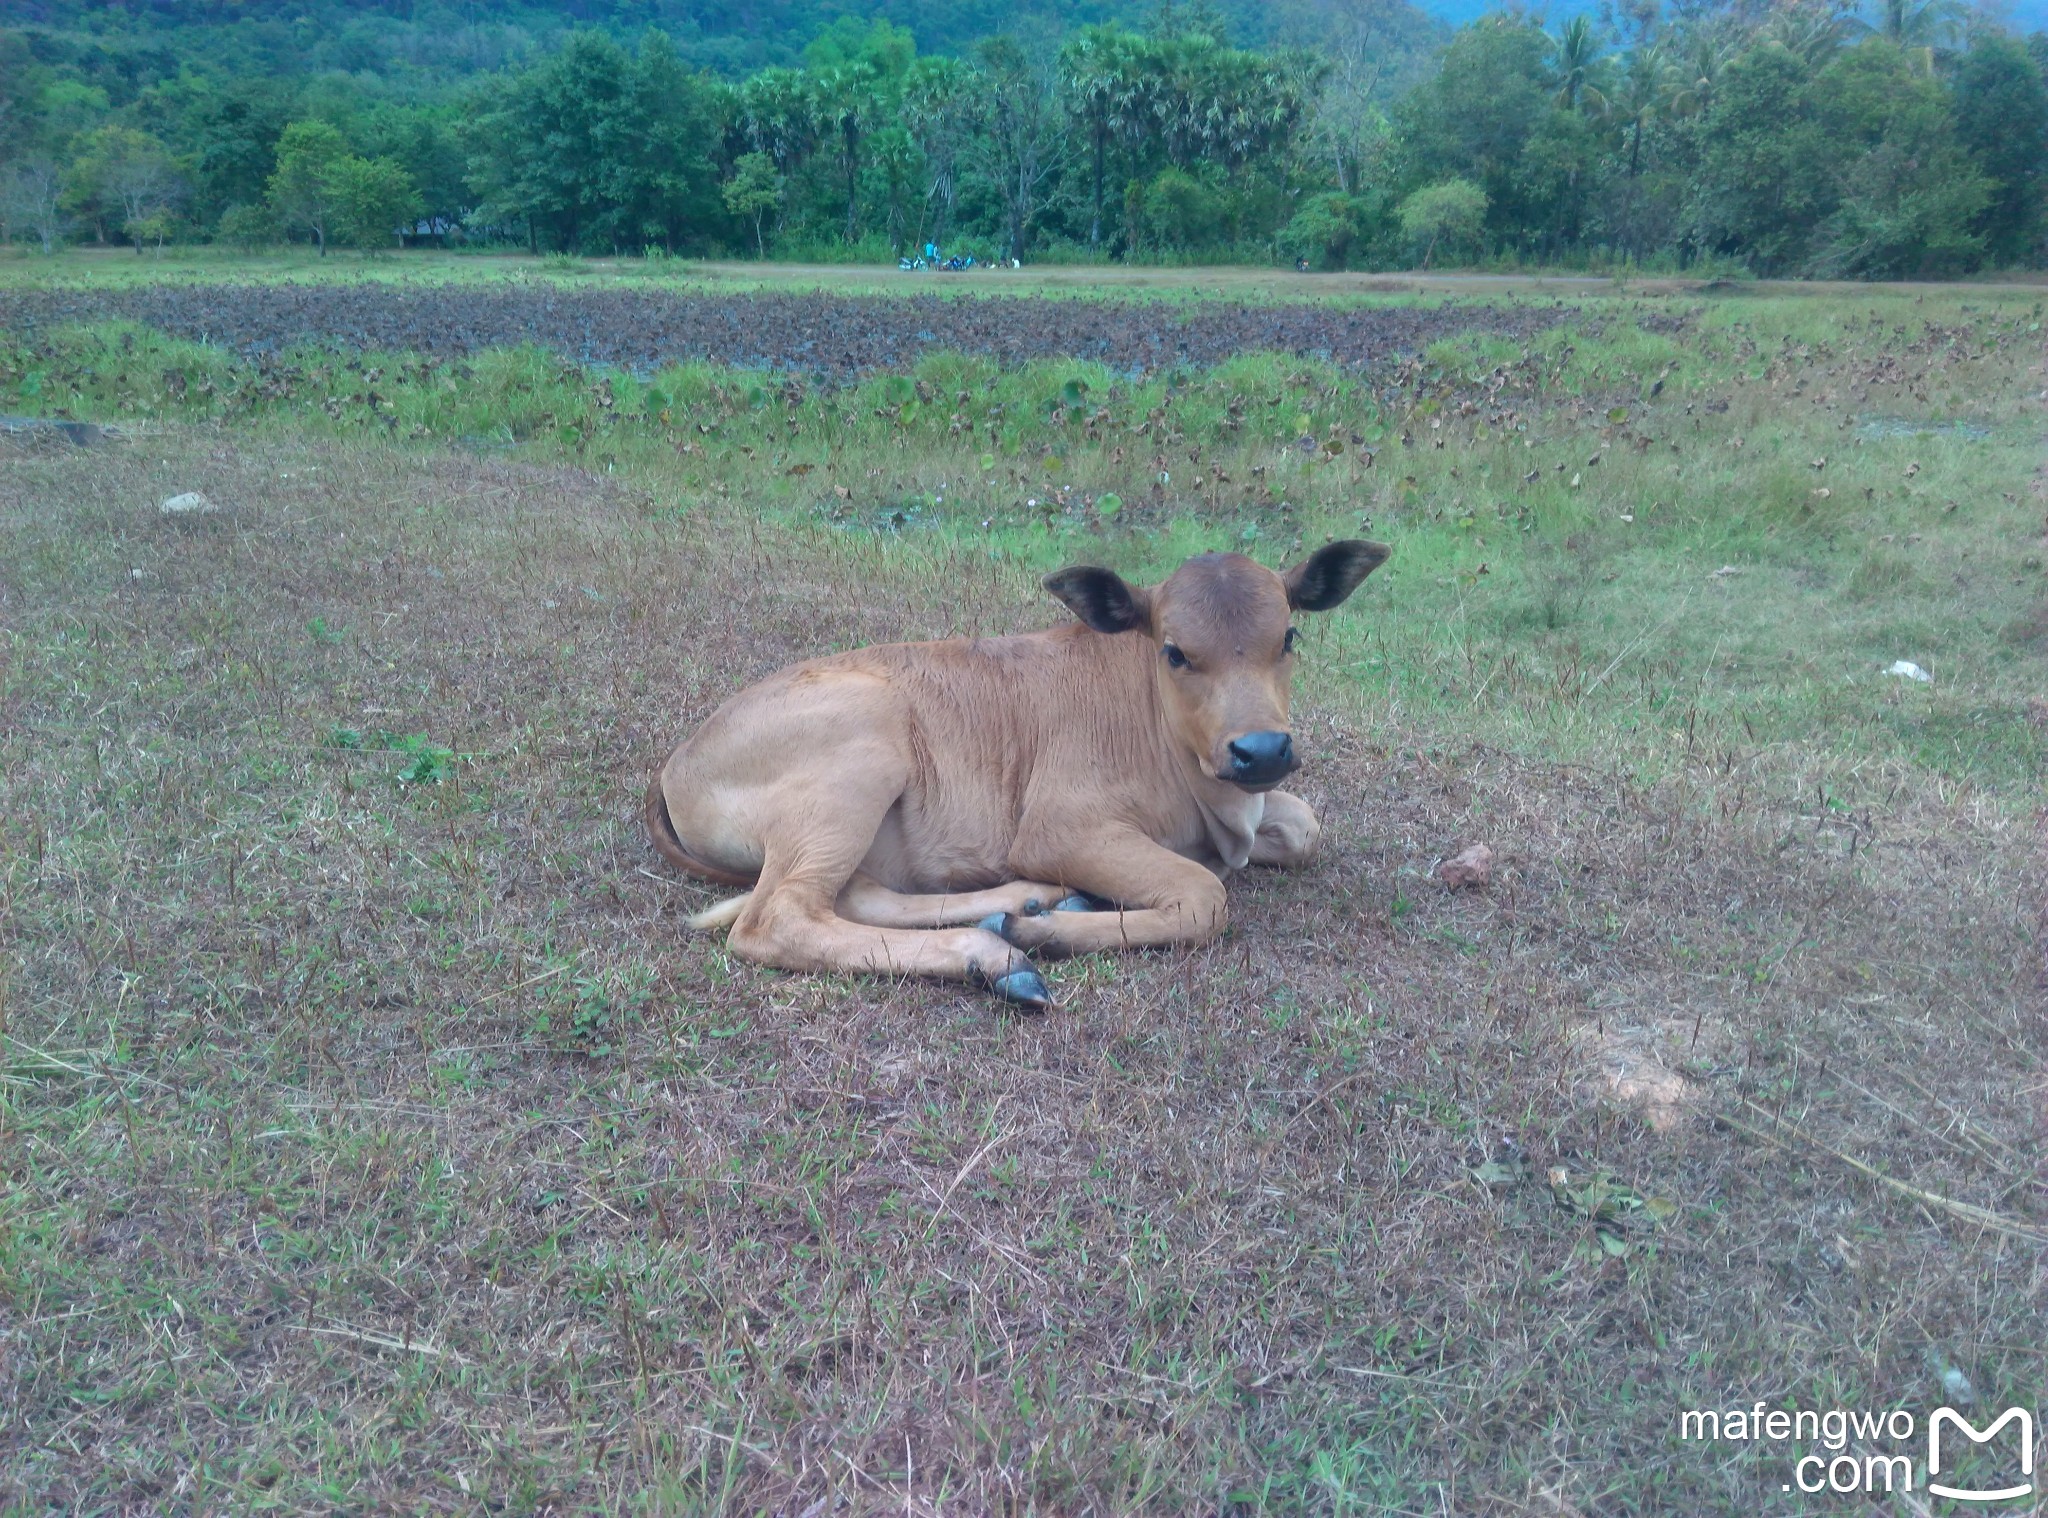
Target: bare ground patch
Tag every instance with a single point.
(811, 332)
(381, 1143)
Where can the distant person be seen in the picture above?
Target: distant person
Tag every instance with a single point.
(931, 252)
(1301, 266)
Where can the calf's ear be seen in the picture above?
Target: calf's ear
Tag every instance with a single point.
(1326, 577)
(1100, 598)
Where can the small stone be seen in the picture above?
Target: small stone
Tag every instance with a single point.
(190, 503)
(1468, 867)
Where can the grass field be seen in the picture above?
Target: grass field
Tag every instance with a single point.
(115, 267)
(374, 1138)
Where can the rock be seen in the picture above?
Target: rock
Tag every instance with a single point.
(1907, 669)
(1468, 867)
(1957, 1388)
(190, 503)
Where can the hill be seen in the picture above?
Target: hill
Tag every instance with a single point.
(127, 46)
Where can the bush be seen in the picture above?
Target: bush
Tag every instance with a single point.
(1175, 212)
(1452, 214)
(1336, 231)
(248, 228)
(823, 248)
(156, 227)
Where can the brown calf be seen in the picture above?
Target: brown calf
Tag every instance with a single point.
(940, 808)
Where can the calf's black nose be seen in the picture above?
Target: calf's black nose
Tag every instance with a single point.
(1261, 758)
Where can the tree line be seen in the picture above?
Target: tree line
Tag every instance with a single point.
(1798, 139)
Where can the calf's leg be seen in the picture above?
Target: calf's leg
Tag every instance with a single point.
(866, 900)
(1288, 832)
(790, 921)
(1163, 898)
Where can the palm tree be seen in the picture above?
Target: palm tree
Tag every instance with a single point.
(1097, 71)
(1577, 60)
(844, 104)
(1917, 28)
(775, 116)
(938, 95)
(1703, 50)
(1814, 32)
(1649, 85)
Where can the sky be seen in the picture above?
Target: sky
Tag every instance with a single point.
(2021, 16)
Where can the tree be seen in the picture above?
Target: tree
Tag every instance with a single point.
(1699, 55)
(774, 113)
(230, 135)
(1204, 102)
(1577, 62)
(20, 88)
(2001, 109)
(302, 188)
(1371, 55)
(1019, 145)
(895, 178)
(1766, 174)
(66, 110)
(1099, 73)
(424, 141)
(1813, 31)
(754, 190)
(1922, 26)
(1453, 213)
(1908, 195)
(538, 140)
(32, 196)
(594, 147)
(1490, 116)
(124, 179)
(939, 101)
(1646, 91)
(663, 187)
(373, 198)
(845, 104)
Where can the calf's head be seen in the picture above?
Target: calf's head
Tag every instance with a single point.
(1222, 630)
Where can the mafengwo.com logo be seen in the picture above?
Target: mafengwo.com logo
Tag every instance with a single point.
(1867, 1452)
(1948, 1418)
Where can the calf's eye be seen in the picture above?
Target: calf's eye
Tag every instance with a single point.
(1174, 657)
(1292, 634)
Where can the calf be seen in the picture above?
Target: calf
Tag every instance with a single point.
(948, 808)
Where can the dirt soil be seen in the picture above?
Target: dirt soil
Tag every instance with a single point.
(810, 333)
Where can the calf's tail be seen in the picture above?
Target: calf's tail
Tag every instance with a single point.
(711, 919)
(661, 831)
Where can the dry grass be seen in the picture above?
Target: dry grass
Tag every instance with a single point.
(373, 1145)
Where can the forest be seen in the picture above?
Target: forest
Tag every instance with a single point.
(1801, 139)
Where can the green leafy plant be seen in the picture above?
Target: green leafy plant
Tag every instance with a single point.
(431, 763)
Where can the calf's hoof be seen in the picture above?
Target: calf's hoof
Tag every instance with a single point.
(1022, 989)
(998, 923)
(1074, 903)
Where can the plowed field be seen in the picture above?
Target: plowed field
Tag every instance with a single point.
(812, 333)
